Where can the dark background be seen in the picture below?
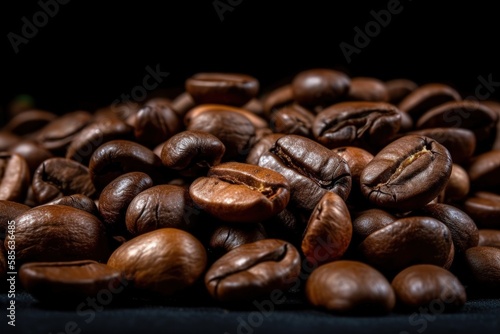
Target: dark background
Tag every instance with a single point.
(91, 52)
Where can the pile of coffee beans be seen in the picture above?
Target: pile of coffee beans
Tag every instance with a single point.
(357, 195)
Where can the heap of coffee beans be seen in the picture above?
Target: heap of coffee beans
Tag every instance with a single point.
(357, 195)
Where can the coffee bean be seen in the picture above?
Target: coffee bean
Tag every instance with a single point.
(458, 185)
(484, 265)
(77, 201)
(29, 122)
(227, 237)
(7, 140)
(319, 87)
(262, 146)
(367, 89)
(369, 221)
(398, 89)
(182, 104)
(292, 119)
(484, 208)
(163, 261)
(495, 106)
(9, 210)
(155, 124)
(484, 170)
(253, 270)
(489, 238)
(350, 287)
(32, 152)
(14, 177)
(278, 98)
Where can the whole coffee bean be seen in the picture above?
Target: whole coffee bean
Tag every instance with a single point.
(162, 261)
(423, 284)
(350, 287)
(408, 241)
(239, 192)
(29, 121)
(182, 104)
(319, 87)
(59, 233)
(68, 282)
(58, 177)
(118, 157)
(255, 106)
(7, 140)
(484, 170)
(262, 146)
(406, 174)
(222, 88)
(363, 124)
(310, 168)
(329, 230)
(464, 232)
(192, 153)
(77, 201)
(278, 98)
(9, 211)
(14, 177)
(426, 97)
(257, 121)
(32, 152)
(292, 119)
(484, 265)
(102, 130)
(398, 89)
(368, 221)
(58, 134)
(117, 195)
(227, 237)
(489, 238)
(253, 270)
(161, 206)
(155, 124)
(367, 89)
(458, 185)
(484, 208)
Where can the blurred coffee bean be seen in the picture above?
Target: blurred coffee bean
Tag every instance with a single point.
(489, 238)
(29, 121)
(292, 119)
(367, 89)
(14, 177)
(227, 237)
(277, 99)
(9, 210)
(398, 89)
(484, 265)
(32, 152)
(368, 221)
(484, 171)
(77, 201)
(484, 208)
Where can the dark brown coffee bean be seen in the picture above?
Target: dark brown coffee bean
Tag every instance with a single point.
(292, 119)
(329, 230)
(58, 177)
(14, 177)
(424, 284)
(364, 124)
(32, 152)
(407, 123)
(257, 121)
(163, 261)
(9, 211)
(29, 121)
(222, 88)
(192, 153)
(484, 171)
(408, 241)
(227, 237)
(406, 174)
(7, 140)
(319, 87)
(255, 106)
(118, 157)
(59, 233)
(278, 98)
(182, 104)
(463, 230)
(239, 192)
(310, 168)
(122, 110)
(350, 287)
(102, 130)
(253, 270)
(262, 146)
(458, 185)
(484, 208)
(426, 97)
(484, 265)
(155, 123)
(367, 89)
(288, 225)
(489, 238)
(368, 221)
(161, 206)
(72, 281)
(77, 201)
(398, 89)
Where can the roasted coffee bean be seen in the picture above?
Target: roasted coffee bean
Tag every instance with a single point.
(155, 123)
(458, 185)
(257, 121)
(7, 140)
(29, 121)
(368, 221)
(463, 230)
(32, 152)
(122, 110)
(408, 241)
(407, 123)
(72, 281)
(292, 119)
(278, 98)
(58, 134)
(426, 97)
(161, 206)
(192, 153)
(255, 106)
(77, 201)
(422, 285)
(363, 124)
(398, 89)
(320, 87)
(350, 287)
(484, 208)
(310, 168)
(239, 192)
(489, 238)
(484, 265)
(14, 177)
(8, 212)
(484, 170)
(117, 195)
(118, 157)
(102, 130)
(262, 146)
(406, 174)
(253, 270)
(59, 233)
(182, 104)
(288, 225)
(367, 89)
(222, 88)
(227, 237)
(329, 230)
(464, 114)
(163, 261)
(58, 177)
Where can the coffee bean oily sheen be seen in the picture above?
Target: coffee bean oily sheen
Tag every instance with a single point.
(253, 270)
(14, 177)
(239, 192)
(406, 174)
(310, 168)
(350, 287)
